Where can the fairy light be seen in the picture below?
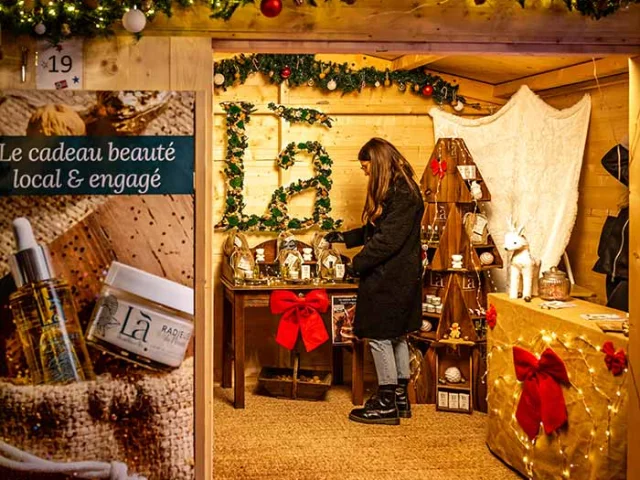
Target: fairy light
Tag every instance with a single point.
(594, 444)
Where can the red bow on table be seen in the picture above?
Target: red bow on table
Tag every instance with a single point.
(300, 314)
(542, 399)
(439, 168)
(616, 361)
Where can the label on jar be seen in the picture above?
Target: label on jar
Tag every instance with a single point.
(244, 264)
(329, 261)
(290, 260)
(141, 331)
(237, 242)
(306, 272)
(340, 271)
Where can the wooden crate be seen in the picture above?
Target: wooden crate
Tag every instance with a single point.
(296, 384)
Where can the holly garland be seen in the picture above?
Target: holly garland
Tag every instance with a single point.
(238, 115)
(61, 19)
(307, 115)
(304, 69)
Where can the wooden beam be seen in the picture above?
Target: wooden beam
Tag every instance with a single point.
(472, 89)
(308, 45)
(584, 86)
(603, 68)
(409, 62)
(633, 447)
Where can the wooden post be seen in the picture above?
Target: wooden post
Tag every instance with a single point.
(633, 453)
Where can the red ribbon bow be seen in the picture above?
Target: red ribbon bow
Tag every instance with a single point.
(616, 361)
(300, 314)
(492, 316)
(541, 399)
(439, 168)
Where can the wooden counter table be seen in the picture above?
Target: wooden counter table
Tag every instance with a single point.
(593, 442)
(238, 298)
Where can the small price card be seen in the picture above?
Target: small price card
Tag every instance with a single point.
(60, 66)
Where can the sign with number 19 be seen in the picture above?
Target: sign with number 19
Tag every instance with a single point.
(60, 66)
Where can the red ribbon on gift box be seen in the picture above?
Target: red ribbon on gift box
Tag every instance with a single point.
(616, 361)
(542, 399)
(300, 314)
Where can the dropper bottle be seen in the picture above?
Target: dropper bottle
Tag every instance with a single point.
(44, 314)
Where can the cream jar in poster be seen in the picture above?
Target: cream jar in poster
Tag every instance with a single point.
(142, 318)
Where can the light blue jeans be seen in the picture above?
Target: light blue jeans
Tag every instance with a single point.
(391, 358)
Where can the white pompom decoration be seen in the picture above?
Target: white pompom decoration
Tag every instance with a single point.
(453, 375)
(426, 326)
(134, 21)
(459, 106)
(40, 29)
(218, 79)
(332, 85)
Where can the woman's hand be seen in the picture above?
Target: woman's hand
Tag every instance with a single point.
(334, 237)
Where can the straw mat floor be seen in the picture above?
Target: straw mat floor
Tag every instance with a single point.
(294, 439)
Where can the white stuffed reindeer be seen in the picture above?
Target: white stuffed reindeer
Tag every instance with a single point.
(522, 263)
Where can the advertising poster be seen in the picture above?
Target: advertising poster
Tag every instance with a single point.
(343, 311)
(96, 280)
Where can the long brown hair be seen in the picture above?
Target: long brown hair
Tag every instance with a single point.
(387, 165)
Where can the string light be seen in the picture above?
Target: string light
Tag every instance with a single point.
(548, 337)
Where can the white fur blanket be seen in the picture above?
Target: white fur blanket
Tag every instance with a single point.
(530, 155)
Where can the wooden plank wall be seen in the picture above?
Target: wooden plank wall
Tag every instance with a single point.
(600, 193)
(399, 117)
(158, 63)
(403, 119)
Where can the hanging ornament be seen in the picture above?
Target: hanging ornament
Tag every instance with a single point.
(218, 79)
(134, 20)
(65, 29)
(458, 106)
(40, 29)
(311, 82)
(271, 73)
(387, 82)
(146, 5)
(402, 87)
(285, 72)
(271, 8)
(427, 90)
(416, 88)
(377, 84)
(332, 85)
(322, 75)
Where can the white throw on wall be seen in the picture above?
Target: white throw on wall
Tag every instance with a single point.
(530, 155)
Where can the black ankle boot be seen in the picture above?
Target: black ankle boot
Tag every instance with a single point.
(402, 399)
(379, 409)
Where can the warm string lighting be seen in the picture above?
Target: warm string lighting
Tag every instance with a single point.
(613, 404)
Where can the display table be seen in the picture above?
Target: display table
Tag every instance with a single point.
(593, 443)
(237, 298)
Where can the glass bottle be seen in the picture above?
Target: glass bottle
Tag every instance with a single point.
(44, 314)
(290, 261)
(330, 265)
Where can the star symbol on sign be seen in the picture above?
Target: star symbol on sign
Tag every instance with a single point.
(76, 80)
(45, 64)
(59, 48)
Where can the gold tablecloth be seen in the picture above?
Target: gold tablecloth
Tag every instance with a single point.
(593, 443)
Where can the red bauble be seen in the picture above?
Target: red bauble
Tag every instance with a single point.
(285, 72)
(427, 90)
(271, 8)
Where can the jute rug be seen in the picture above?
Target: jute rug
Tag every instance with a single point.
(294, 439)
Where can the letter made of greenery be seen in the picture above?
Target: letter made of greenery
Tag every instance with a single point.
(277, 216)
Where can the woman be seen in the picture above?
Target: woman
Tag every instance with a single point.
(389, 265)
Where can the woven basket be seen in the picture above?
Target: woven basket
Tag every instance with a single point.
(146, 422)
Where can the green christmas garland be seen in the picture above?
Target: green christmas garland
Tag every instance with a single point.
(57, 20)
(300, 70)
(307, 115)
(277, 217)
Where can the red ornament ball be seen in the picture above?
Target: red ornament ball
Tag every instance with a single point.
(427, 90)
(285, 72)
(271, 8)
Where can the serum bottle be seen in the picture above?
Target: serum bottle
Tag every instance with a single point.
(44, 314)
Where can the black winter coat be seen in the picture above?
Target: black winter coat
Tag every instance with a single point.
(613, 250)
(390, 267)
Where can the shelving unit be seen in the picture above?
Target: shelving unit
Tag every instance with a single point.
(463, 291)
